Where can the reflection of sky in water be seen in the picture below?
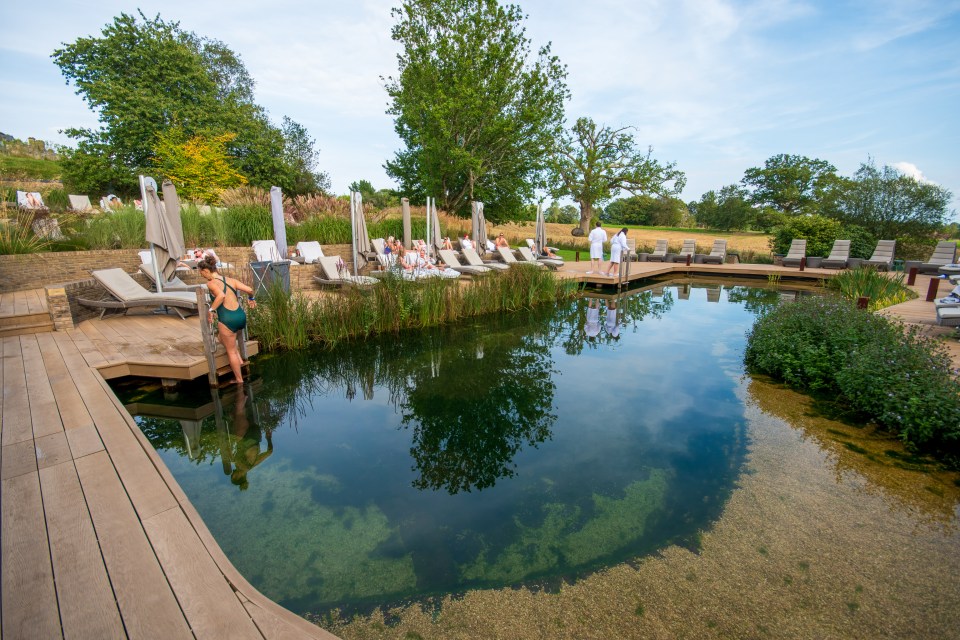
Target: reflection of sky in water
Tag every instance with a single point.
(627, 444)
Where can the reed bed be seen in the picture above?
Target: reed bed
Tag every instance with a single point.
(865, 282)
(284, 321)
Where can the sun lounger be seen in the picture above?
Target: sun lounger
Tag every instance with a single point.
(509, 259)
(689, 248)
(174, 284)
(659, 252)
(798, 251)
(332, 275)
(527, 256)
(474, 260)
(311, 252)
(30, 200)
(944, 254)
(839, 255)
(532, 244)
(882, 257)
(718, 254)
(450, 259)
(948, 316)
(127, 294)
(266, 251)
(80, 203)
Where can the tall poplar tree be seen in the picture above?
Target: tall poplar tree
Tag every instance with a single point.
(477, 110)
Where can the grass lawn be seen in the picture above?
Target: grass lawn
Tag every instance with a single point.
(29, 168)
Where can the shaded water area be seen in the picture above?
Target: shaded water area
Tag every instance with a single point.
(603, 441)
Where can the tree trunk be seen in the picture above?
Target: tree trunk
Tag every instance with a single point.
(586, 212)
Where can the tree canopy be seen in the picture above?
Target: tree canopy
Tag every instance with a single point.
(477, 110)
(793, 185)
(143, 77)
(727, 209)
(593, 164)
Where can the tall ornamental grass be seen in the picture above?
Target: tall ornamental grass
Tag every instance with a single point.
(883, 291)
(882, 371)
(283, 321)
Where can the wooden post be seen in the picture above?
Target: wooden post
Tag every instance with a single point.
(803, 263)
(863, 302)
(206, 333)
(932, 290)
(576, 256)
(688, 259)
(912, 278)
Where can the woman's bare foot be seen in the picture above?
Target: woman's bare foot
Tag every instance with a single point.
(231, 382)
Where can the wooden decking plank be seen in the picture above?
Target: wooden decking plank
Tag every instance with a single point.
(15, 424)
(276, 629)
(38, 303)
(88, 606)
(52, 450)
(43, 406)
(20, 306)
(91, 355)
(147, 604)
(206, 598)
(7, 304)
(147, 490)
(29, 601)
(18, 458)
(107, 347)
(73, 412)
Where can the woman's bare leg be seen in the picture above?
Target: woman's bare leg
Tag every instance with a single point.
(229, 341)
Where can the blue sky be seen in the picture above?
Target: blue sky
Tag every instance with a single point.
(716, 86)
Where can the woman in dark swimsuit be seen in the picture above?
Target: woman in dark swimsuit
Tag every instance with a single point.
(225, 301)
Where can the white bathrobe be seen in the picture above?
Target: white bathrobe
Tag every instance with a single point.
(597, 237)
(618, 244)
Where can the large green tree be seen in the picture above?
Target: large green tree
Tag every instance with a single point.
(477, 110)
(143, 77)
(793, 185)
(727, 209)
(891, 205)
(593, 164)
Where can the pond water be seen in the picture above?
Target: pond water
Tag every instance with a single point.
(524, 449)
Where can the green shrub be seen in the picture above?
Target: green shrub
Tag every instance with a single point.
(818, 231)
(57, 200)
(246, 223)
(123, 228)
(883, 291)
(881, 371)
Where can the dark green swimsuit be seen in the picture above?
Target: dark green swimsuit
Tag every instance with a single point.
(233, 319)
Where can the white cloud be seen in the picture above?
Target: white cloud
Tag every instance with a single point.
(910, 169)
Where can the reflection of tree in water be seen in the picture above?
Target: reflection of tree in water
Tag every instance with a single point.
(632, 307)
(466, 428)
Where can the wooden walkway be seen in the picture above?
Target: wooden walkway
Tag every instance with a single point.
(97, 539)
(24, 312)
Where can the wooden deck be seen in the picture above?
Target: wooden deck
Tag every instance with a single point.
(97, 539)
(24, 312)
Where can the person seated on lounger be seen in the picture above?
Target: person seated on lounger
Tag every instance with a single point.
(502, 242)
(446, 244)
(547, 253)
(466, 242)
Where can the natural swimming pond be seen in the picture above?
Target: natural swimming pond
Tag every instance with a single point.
(510, 450)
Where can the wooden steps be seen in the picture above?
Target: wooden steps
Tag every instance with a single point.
(23, 313)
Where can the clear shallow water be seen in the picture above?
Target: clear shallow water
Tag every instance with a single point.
(508, 450)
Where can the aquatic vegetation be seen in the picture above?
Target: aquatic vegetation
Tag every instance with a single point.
(881, 371)
(283, 321)
(867, 282)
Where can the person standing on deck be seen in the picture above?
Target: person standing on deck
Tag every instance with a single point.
(597, 237)
(618, 246)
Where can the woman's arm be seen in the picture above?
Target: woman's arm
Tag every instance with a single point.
(240, 286)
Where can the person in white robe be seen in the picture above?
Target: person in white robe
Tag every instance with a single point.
(592, 327)
(597, 237)
(618, 246)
